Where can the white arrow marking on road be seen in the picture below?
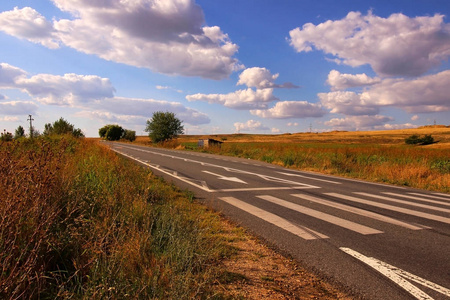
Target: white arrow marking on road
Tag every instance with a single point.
(399, 276)
(234, 179)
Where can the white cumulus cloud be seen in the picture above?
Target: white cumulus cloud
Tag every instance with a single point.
(424, 94)
(9, 119)
(69, 89)
(358, 122)
(163, 36)
(27, 23)
(397, 45)
(348, 103)
(146, 107)
(428, 93)
(291, 109)
(339, 81)
(86, 92)
(17, 108)
(9, 74)
(261, 78)
(250, 125)
(240, 99)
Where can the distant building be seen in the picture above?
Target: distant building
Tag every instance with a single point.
(206, 143)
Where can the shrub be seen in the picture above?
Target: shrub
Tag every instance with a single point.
(415, 140)
(129, 135)
(114, 133)
(60, 127)
(6, 136)
(20, 132)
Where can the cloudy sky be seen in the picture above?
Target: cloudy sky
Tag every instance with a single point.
(226, 66)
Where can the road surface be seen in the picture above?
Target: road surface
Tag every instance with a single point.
(378, 241)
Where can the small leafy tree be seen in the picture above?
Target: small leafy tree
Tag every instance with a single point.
(6, 136)
(102, 131)
(61, 127)
(129, 135)
(164, 126)
(114, 133)
(20, 132)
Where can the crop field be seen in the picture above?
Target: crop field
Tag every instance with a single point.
(379, 156)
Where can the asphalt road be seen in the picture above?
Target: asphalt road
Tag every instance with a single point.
(376, 241)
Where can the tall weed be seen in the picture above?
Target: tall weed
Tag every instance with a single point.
(77, 221)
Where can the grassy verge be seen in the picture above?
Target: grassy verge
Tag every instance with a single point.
(77, 221)
(417, 167)
(378, 156)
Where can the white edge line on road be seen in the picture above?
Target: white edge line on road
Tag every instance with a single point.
(204, 187)
(277, 188)
(350, 179)
(273, 167)
(392, 274)
(419, 280)
(168, 173)
(232, 170)
(312, 178)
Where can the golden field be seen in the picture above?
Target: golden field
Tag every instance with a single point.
(379, 156)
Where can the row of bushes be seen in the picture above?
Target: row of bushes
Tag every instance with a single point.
(417, 140)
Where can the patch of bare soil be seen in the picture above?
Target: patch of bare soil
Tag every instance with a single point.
(258, 272)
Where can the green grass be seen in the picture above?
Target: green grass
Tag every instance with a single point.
(77, 221)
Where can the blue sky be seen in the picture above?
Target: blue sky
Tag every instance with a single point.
(226, 66)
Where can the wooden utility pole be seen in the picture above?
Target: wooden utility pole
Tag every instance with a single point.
(31, 125)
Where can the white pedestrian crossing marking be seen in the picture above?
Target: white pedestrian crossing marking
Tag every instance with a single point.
(433, 196)
(301, 231)
(418, 198)
(361, 212)
(393, 208)
(405, 202)
(445, 195)
(362, 229)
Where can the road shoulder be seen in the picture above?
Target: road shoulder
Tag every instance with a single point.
(255, 271)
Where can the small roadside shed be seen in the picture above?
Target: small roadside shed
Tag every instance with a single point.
(206, 143)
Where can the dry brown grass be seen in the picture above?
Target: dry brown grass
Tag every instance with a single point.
(379, 156)
(77, 221)
(257, 272)
(390, 137)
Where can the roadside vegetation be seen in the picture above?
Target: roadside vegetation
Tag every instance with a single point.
(395, 157)
(77, 221)
(114, 132)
